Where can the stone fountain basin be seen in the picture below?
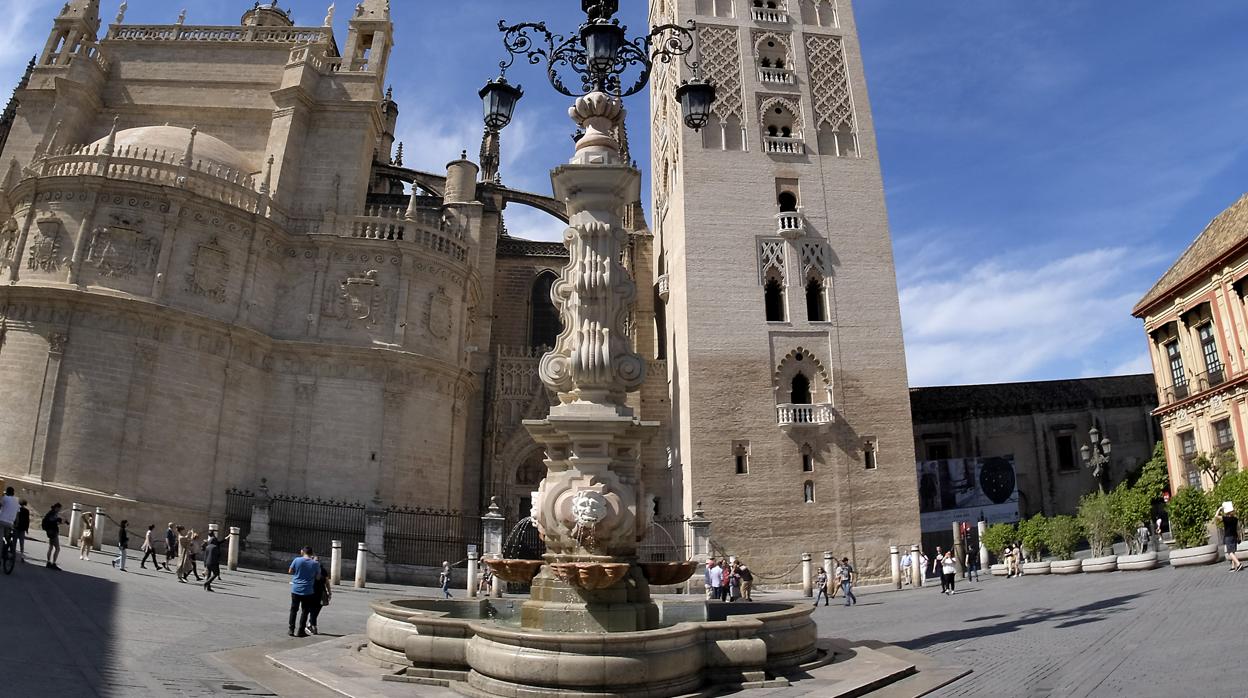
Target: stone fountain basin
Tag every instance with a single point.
(520, 571)
(663, 574)
(737, 642)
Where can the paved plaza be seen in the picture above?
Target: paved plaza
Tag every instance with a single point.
(93, 631)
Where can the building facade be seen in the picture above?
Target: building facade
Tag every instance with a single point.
(790, 410)
(1194, 318)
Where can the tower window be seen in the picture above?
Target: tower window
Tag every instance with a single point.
(741, 456)
(800, 390)
(787, 201)
(774, 300)
(808, 492)
(544, 324)
(869, 452)
(816, 308)
(808, 459)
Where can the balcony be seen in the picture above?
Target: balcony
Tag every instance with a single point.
(664, 289)
(780, 145)
(1198, 383)
(769, 15)
(775, 76)
(790, 224)
(804, 415)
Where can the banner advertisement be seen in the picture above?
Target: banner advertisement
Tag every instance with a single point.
(966, 489)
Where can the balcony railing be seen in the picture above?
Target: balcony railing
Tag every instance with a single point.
(784, 146)
(790, 224)
(664, 289)
(225, 33)
(804, 415)
(775, 76)
(1197, 384)
(770, 16)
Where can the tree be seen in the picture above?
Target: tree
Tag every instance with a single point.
(997, 536)
(1154, 476)
(1097, 520)
(1190, 512)
(1233, 487)
(1129, 508)
(1062, 534)
(1032, 534)
(1218, 466)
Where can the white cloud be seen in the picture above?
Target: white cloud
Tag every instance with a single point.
(16, 33)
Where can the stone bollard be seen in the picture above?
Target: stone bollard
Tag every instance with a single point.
(894, 561)
(808, 584)
(472, 573)
(916, 566)
(75, 523)
(335, 562)
(982, 526)
(361, 563)
(231, 556)
(98, 542)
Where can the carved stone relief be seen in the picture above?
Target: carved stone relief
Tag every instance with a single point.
(8, 241)
(46, 253)
(358, 301)
(210, 271)
(438, 317)
(122, 252)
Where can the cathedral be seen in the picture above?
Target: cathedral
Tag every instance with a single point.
(217, 273)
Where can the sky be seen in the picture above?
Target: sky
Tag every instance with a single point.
(1044, 163)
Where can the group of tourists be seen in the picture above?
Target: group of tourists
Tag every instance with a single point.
(728, 581)
(842, 580)
(309, 592)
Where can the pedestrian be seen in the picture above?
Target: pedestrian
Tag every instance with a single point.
(821, 587)
(939, 565)
(87, 539)
(706, 574)
(1007, 557)
(212, 559)
(123, 542)
(303, 570)
(444, 579)
(715, 577)
(734, 583)
(725, 583)
(1159, 528)
(483, 584)
(1230, 533)
(171, 545)
(922, 562)
(9, 507)
(21, 526)
(845, 572)
(183, 546)
(949, 572)
(936, 562)
(320, 589)
(747, 581)
(906, 562)
(972, 565)
(195, 546)
(149, 549)
(1018, 559)
(51, 525)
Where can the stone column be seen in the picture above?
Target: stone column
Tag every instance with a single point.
(75, 523)
(959, 549)
(700, 548)
(47, 400)
(335, 562)
(258, 542)
(98, 541)
(472, 572)
(894, 563)
(829, 565)
(916, 566)
(361, 565)
(808, 573)
(375, 532)
(982, 526)
(231, 559)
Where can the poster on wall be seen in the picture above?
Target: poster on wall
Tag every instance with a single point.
(966, 489)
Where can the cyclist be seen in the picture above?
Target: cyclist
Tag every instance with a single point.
(9, 507)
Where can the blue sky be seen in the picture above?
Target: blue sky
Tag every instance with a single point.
(1044, 162)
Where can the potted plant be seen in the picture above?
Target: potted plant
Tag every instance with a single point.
(995, 538)
(1190, 512)
(1096, 518)
(1061, 535)
(1129, 508)
(1032, 533)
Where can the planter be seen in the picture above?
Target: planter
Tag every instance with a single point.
(1035, 568)
(1066, 566)
(1143, 561)
(1108, 563)
(998, 570)
(1188, 557)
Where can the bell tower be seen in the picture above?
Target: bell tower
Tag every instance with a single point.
(785, 360)
(73, 30)
(370, 37)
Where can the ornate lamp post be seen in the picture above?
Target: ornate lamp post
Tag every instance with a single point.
(591, 508)
(1096, 456)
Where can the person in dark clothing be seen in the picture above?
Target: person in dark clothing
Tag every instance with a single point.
(171, 545)
(20, 528)
(123, 542)
(212, 558)
(303, 573)
(1230, 533)
(320, 589)
(52, 526)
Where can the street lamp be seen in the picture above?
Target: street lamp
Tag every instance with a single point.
(1096, 456)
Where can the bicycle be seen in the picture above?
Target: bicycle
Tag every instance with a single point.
(8, 551)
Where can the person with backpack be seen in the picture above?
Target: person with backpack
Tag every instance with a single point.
(52, 526)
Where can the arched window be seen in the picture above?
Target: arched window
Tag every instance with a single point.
(787, 201)
(816, 308)
(741, 457)
(808, 459)
(808, 492)
(800, 392)
(544, 324)
(773, 299)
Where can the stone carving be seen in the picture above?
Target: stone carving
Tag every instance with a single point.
(358, 301)
(815, 259)
(770, 257)
(438, 315)
(829, 83)
(121, 252)
(57, 342)
(721, 59)
(45, 246)
(8, 241)
(210, 271)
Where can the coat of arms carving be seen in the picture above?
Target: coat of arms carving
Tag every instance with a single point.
(8, 241)
(210, 272)
(439, 316)
(358, 301)
(122, 252)
(45, 246)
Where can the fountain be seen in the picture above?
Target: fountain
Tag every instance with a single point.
(589, 626)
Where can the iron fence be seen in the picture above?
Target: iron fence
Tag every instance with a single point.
(298, 521)
(669, 540)
(238, 511)
(429, 537)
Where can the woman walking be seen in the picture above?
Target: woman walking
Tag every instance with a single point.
(149, 549)
(87, 538)
(948, 572)
(321, 590)
(186, 562)
(123, 542)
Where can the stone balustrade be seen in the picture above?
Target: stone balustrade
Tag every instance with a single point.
(315, 57)
(770, 16)
(664, 288)
(775, 76)
(794, 415)
(784, 146)
(232, 34)
(790, 224)
(427, 228)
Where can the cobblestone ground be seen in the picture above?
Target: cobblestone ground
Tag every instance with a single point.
(93, 631)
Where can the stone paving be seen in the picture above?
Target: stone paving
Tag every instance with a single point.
(93, 631)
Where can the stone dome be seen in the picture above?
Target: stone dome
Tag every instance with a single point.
(174, 139)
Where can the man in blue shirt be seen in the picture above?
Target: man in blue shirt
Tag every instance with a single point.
(303, 571)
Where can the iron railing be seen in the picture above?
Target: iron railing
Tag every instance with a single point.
(238, 512)
(429, 537)
(670, 539)
(298, 521)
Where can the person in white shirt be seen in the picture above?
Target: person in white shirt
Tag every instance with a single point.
(716, 575)
(905, 568)
(9, 507)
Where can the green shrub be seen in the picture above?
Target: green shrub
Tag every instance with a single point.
(1190, 512)
(1234, 487)
(1154, 476)
(1129, 509)
(1032, 533)
(997, 536)
(1062, 535)
(1096, 517)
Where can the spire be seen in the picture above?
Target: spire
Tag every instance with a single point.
(398, 157)
(268, 176)
(329, 16)
(10, 110)
(111, 144)
(121, 13)
(189, 156)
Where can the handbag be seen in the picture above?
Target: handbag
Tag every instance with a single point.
(325, 596)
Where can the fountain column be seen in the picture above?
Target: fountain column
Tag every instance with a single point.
(591, 509)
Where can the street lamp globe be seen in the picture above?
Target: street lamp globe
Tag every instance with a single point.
(696, 97)
(499, 98)
(603, 40)
(1094, 434)
(1105, 445)
(1086, 453)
